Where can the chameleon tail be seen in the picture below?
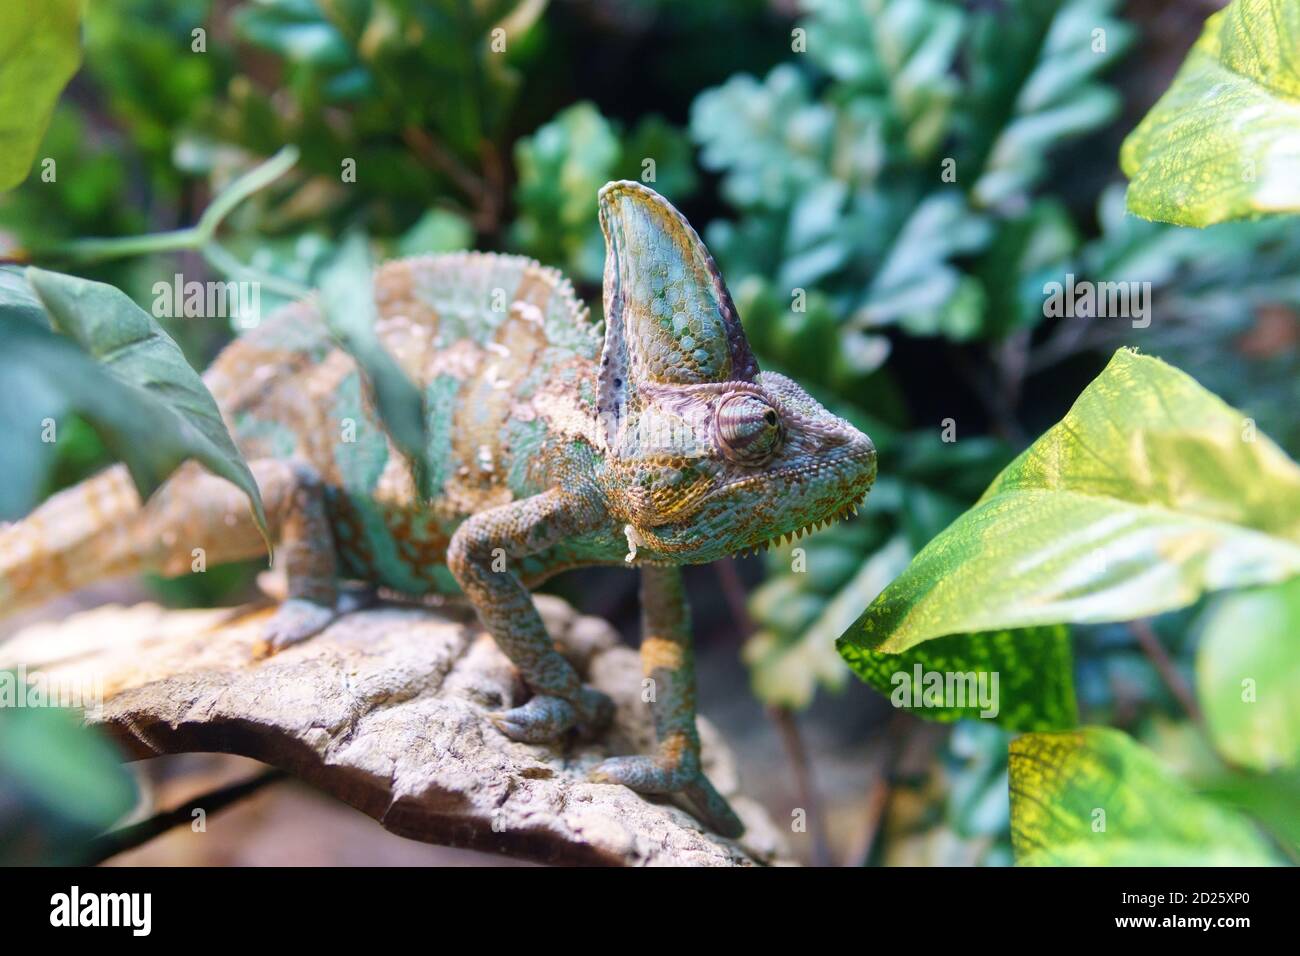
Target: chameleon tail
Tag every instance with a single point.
(99, 529)
(78, 536)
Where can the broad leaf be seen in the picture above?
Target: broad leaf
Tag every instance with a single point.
(1269, 799)
(1019, 679)
(40, 49)
(60, 782)
(348, 299)
(1222, 142)
(1247, 672)
(175, 417)
(1148, 493)
(42, 376)
(1097, 798)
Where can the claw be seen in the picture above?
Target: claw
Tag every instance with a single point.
(545, 717)
(539, 720)
(293, 622)
(649, 775)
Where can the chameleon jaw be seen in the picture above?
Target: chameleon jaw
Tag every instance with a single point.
(848, 511)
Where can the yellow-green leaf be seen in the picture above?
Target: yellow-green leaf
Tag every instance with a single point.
(40, 49)
(1247, 673)
(1019, 679)
(1224, 140)
(1094, 797)
(1150, 492)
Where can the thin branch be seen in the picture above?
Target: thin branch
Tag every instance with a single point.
(127, 838)
(733, 590)
(194, 237)
(882, 786)
(1164, 665)
(784, 720)
(435, 155)
(992, 395)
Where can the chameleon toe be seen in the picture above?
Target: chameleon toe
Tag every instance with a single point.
(538, 721)
(652, 776)
(642, 774)
(295, 621)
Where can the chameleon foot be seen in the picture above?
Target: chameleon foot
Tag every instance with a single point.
(545, 718)
(650, 775)
(294, 621)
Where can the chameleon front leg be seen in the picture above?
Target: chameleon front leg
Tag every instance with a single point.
(480, 555)
(668, 660)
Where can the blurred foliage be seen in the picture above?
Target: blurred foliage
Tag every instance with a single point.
(60, 783)
(39, 52)
(888, 186)
(564, 164)
(1247, 669)
(1220, 144)
(1094, 797)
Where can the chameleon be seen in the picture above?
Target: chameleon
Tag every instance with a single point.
(649, 441)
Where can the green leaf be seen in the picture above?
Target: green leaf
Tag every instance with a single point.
(60, 782)
(1222, 142)
(794, 651)
(561, 168)
(903, 50)
(1270, 799)
(767, 138)
(917, 286)
(40, 49)
(1035, 87)
(1019, 679)
(17, 299)
(1247, 672)
(175, 417)
(348, 298)
(1095, 797)
(436, 231)
(1150, 492)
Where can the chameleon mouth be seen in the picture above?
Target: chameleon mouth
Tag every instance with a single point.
(863, 458)
(850, 510)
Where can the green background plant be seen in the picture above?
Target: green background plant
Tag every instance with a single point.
(887, 187)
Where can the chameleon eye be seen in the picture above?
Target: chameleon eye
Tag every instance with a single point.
(748, 429)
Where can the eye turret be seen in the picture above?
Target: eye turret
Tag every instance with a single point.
(748, 429)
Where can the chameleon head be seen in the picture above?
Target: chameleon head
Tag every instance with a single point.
(707, 456)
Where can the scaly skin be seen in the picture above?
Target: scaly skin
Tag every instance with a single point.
(656, 445)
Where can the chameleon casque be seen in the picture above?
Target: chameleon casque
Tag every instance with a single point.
(552, 445)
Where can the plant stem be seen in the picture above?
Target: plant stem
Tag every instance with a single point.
(1164, 665)
(882, 785)
(119, 247)
(783, 719)
(193, 237)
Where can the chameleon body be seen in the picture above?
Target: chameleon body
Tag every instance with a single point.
(553, 443)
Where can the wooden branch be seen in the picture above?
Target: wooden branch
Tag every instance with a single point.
(387, 711)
